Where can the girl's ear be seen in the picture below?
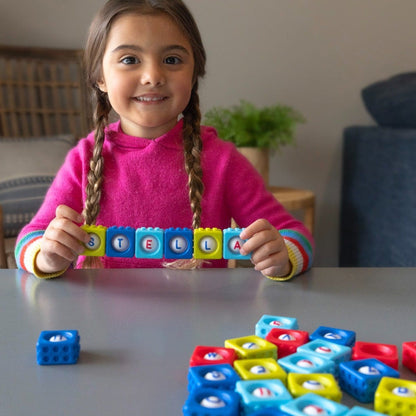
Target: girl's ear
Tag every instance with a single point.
(101, 85)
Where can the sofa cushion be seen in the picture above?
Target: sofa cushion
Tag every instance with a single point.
(392, 102)
(27, 168)
(378, 199)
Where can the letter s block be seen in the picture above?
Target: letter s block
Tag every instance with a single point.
(96, 245)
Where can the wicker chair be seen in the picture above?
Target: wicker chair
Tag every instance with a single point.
(42, 93)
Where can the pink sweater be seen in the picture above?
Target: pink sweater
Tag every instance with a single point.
(145, 185)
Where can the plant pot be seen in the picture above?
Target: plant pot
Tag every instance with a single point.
(259, 158)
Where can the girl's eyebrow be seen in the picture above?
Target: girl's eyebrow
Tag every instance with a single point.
(137, 48)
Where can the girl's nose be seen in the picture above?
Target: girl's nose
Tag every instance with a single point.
(153, 75)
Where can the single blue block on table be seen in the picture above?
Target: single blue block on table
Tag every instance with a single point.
(221, 376)
(335, 335)
(360, 378)
(58, 347)
(208, 401)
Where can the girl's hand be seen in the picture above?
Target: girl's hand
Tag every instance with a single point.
(62, 242)
(268, 248)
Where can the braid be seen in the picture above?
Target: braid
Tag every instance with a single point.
(95, 175)
(95, 179)
(192, 149)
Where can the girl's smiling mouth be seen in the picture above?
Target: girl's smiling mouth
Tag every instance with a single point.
(150, 99)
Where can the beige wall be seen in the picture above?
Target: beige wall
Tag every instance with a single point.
(315, 55)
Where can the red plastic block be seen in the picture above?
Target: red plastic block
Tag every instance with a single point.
(409, 355)
(287, 340)
(386, 353)
(204, 355)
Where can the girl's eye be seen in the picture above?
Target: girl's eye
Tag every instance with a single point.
(173, 60)
(129, 60)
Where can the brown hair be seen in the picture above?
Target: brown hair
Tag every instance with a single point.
(94, 52)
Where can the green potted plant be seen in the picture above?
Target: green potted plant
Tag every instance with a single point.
(255, 131)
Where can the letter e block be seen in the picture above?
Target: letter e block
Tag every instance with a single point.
(149, 243)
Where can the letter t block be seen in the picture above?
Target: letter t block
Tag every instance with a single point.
(120, 242)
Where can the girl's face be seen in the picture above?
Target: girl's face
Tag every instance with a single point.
(148, 70)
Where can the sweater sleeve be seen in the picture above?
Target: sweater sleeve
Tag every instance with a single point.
(26, 251)
(66, 189)
(250, 200)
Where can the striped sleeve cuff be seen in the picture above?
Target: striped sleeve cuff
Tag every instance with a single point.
(26, 251)
(300, 253)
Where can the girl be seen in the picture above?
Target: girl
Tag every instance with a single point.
(156, 166)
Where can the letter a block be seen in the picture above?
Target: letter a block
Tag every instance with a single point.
(149, 243)
(96, 245)
(178, 243)
(120, 242)
(208, 243)
(232, 244)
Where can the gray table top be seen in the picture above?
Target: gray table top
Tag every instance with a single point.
(139, 328)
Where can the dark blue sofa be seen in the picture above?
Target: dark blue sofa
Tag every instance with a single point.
(378, 201)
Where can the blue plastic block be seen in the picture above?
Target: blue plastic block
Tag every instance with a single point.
(149, 243)
(232, 244)
(304, 363)
(270, 411)
(268, 322)
(178, 243)
(208, 401)
(312, 404)
(335, 335)
(324, 349)
(221, 376)
(360, 378)
(58, 347)
(120, 242)
(361, 411)
(258, 394)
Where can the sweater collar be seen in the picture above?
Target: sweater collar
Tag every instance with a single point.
(172, 139)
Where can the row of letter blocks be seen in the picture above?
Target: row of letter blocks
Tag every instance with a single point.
(282, 370)
(172, 243)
